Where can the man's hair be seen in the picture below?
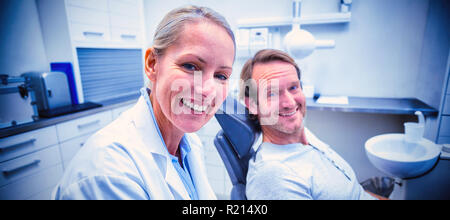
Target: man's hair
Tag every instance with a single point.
(262, 56)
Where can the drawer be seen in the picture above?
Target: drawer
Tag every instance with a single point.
(18, 145)
(446, 110)
(44, 195)
(122, 21)
(87, 16)
(445, 126)
(30, 164)
(124, 8)
(117, 111)
(71, 147)
(32, 185)
(86, 32)
(96, 4)
(126, 35)
(82, 126)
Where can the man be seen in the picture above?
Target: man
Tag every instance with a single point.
(290, 163)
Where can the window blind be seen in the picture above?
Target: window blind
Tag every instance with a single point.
(110, 73)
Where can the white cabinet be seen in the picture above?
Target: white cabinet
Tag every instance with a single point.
(87, 16)
(82, 126)
(19, 168)
(98, 21)
(26, 176)
(28, 142)
(96, 4)
(32, 163)
(34, 186)
(103, 24)
(89, 32)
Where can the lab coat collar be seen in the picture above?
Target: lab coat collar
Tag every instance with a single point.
(195, 160)
(149, 132)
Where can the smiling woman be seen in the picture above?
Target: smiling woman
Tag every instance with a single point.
(189, 77)
(147, 152)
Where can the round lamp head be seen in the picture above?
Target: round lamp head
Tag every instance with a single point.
(299, 43)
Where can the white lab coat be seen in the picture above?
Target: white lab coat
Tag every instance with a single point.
(128, 160)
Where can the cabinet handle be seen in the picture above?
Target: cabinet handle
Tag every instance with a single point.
(89, 124)
(21, 167)
(128, 36)
(91, 33)
(18, 144)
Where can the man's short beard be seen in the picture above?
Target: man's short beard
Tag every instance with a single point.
(297, 130)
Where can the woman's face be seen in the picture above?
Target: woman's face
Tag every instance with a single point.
(190, 79)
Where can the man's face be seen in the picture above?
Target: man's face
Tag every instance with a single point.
(282, 105)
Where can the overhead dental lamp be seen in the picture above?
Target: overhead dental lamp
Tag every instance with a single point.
(300, 43)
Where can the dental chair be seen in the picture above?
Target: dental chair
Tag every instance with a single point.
(235, 142)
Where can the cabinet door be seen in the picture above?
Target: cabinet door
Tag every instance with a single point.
(87, 16)
(126, 35)
(89, 32)
(96, 4)
(82, 126)
(123, 21)
(32, 186)
(44, 195)
(18, 145)
(128, 8)
(30, 164)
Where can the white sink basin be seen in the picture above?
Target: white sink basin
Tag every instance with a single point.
(392, 155)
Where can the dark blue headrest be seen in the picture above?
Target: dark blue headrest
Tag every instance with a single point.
(241, 131)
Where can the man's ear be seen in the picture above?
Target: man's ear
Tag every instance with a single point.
(251, 106)
(150, 64)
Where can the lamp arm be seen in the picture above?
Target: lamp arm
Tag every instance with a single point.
(296, 11)
(325, 44)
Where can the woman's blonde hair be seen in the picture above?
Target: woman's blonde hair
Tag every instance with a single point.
(169, 29)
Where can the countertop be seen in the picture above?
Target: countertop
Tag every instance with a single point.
(402, 106)
(45, 122)
(405, 106)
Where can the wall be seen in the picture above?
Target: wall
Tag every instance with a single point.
(434, 59)
(22, 47)
(380, 48)
(433, 70)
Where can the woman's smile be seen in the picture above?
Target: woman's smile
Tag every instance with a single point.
(195, 108)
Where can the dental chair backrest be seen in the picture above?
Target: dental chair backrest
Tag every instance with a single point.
(235, 143)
